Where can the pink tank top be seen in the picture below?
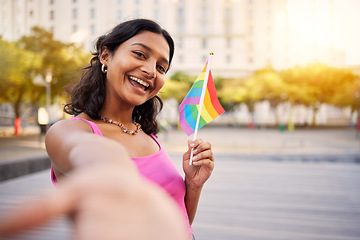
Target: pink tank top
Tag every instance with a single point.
(158, 168)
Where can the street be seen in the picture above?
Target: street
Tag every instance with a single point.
(266, 185)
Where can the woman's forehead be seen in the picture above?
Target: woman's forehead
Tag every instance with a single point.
(150, 41)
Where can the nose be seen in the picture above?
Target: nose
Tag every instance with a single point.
(149, 68)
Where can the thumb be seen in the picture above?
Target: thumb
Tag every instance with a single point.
(191, 145)
(187, 153)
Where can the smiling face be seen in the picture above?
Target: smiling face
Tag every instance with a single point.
(136, 71)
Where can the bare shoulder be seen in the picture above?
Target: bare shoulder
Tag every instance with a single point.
(68, 126)
(65, 129)
(62, 137)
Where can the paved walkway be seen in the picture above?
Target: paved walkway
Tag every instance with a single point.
(233, 141)
(269, 141)
(266, 185)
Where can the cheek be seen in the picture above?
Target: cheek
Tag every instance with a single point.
(162, 82)
(118, 67)
(159, 84)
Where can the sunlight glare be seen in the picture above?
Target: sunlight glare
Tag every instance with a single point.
(311, 20)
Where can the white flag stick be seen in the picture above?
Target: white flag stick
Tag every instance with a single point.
(201, 103)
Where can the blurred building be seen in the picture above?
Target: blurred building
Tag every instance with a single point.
(245, 35)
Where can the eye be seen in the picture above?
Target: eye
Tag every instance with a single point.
(139, 54)
(161, 68)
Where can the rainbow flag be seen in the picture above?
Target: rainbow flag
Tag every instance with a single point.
(189, 107)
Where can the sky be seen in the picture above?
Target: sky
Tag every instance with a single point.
(345, 34)
(348, 32)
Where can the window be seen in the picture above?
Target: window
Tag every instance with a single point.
(204, 59)
(228, 28)
(137, 13)
(119, 14)
(204, 13)
(251, 30)
(74, 28)
(250, 14)
(92, 29)
(204, 28)
(228, 42)
(156, 14)
(227, 13)
(52, 15)
(228, 59)
(180, 43)
(52, 2)
(74, 13)
(180, 28)
(250, 46)
(92, 13)
(181, 59)
(180, 13)
(204, 44)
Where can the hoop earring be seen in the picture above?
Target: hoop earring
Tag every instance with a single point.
(103, 68)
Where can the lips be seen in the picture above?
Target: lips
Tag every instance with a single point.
(139, 82)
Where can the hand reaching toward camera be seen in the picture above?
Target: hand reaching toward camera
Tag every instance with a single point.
(105, 203)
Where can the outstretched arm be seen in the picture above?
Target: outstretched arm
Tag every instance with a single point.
(103, 192)
(72, 144)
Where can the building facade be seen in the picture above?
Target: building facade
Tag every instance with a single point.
(245, 35)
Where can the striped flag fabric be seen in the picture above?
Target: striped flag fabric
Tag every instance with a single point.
(194, 101)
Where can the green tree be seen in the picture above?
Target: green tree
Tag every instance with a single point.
(63, 60)
(271, 87)
(183, 77)
(314, 84)
(349, 94)
(34, 55)
(236, 91)
(174, 89)
(16, 74)
(177, 86)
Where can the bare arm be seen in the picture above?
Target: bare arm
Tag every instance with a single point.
(71, 144)
(106, 195)
(192, 198)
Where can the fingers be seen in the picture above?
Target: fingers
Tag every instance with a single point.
(200, 146)
(203, 154)
(196, 143)
(37, 211)
(203, 161)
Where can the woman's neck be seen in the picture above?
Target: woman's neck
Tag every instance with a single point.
(117, 112)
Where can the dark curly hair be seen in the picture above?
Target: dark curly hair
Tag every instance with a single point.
(89, 93)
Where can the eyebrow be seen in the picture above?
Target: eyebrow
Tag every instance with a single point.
(150, 50)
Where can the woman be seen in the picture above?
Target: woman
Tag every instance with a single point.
(116, 104)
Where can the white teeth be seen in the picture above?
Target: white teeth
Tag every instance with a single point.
(139, 81)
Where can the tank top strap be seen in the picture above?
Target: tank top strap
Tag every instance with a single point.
(156, 140)
(93, 126)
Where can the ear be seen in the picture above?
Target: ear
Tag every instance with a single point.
(104, 55)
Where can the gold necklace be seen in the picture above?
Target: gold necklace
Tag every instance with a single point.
(123, 128)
